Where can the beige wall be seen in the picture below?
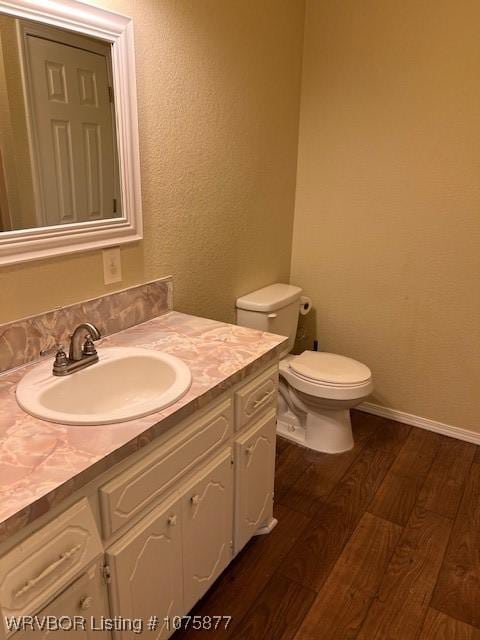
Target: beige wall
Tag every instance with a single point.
(218, 90)
(387, 223)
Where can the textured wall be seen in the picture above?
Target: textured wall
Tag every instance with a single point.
(218, 90)
(387, 224)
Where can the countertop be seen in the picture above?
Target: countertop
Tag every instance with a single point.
(41, 463)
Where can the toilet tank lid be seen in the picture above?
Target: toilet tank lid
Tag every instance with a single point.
(270, 298)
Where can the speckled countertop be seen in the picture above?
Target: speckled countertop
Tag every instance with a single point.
(41, 462)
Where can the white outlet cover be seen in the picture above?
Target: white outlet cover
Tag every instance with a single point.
(112, 265)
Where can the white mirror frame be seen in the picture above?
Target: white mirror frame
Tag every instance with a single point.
(45, 242)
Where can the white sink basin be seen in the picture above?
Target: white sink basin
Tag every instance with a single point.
(125, 384)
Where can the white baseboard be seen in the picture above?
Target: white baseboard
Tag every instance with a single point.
(423, 423)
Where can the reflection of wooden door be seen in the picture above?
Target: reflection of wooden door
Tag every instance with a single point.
(5, 218)
(72, 116)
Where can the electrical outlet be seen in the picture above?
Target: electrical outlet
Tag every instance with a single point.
(112, 265)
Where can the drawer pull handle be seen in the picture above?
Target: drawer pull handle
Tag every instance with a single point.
(195, 499)
(261, 400)
(249, 450)
(48, 571)
(172, 521)
(86, 603)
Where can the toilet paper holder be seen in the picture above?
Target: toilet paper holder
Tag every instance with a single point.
(305, 305)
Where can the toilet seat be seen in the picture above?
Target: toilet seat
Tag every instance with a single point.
(330, 368)
(327, 375)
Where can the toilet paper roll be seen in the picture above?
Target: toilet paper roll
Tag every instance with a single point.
(305, 305)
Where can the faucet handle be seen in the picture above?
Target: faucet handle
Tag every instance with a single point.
(88, 346)
(53, 351)
(61, 362)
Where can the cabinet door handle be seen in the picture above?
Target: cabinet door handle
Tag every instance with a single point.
(48, 571)
(172, 521)
(249, 450)
(261, 400)
(86, 602)
(195, 499)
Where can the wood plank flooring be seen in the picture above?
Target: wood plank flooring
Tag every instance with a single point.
(378, 543)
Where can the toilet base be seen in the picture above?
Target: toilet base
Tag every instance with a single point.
(291, 431)
(328, 432)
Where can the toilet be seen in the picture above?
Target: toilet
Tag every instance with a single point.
(316, 389)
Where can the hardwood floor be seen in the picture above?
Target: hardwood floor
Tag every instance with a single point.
(378, 543)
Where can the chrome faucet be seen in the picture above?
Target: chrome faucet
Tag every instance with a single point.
(81, 354)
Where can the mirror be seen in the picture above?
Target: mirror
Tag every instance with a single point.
(69, 167)
(58, 152)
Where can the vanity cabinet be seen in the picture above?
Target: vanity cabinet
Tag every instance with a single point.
(171, 517)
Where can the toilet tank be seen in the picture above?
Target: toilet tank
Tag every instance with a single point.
(274, 309)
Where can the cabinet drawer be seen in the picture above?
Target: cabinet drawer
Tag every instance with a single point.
(253, 398)
(84, 599)
(45, 563)
(126, 495)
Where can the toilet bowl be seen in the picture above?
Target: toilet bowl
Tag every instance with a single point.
(316, 392)
(316, 389)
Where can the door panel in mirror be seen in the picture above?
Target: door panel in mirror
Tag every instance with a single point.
(66, 103)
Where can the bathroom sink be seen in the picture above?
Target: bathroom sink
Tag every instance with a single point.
(125, 384)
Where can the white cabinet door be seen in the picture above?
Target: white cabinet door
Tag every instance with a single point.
(77, 611)
(145, 565)
(207, 509)
(255, 468)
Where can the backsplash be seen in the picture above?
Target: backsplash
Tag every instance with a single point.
(22, 340)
